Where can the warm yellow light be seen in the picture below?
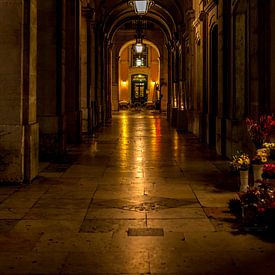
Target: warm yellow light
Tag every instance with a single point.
(138, 47)
(141, 6)
(138, 62)
(153, 83)
(123, 83)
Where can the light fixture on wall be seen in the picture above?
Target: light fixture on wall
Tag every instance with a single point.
(141, 6)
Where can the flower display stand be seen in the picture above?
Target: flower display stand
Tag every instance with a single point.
(255, 208)
(243, 180)
(257, 173)
(270, 182)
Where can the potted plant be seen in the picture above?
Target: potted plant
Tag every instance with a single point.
(270, 146)
(260, 130)
(269, 173)
(241, 163)
(260, 158)
(256, 207)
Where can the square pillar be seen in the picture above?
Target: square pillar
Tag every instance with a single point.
(18, 119)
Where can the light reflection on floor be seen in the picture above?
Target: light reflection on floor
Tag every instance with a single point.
(138, 174)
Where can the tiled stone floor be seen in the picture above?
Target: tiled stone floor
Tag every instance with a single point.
(138, 198)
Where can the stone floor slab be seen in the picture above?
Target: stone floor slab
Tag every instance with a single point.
(110, 262)
(112, 213)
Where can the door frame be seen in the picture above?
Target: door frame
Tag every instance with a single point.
(140, 78)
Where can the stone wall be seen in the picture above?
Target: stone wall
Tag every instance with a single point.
(272, 59)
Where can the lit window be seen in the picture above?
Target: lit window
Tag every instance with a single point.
(139, 55)
(138, 62)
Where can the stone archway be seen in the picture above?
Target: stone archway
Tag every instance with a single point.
(126, 69)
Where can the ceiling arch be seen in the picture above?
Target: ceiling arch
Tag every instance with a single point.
(120, 22)
(148, 42)
(167, 15)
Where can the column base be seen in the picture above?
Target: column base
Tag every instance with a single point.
(174, 117)
(18, 153)
(182, 121)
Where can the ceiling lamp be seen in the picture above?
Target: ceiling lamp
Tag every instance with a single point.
(141, 6)
(139, 37)
(138, 47)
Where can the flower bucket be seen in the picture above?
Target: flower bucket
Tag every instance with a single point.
(271, 182)
(243, 180)
(257, 172)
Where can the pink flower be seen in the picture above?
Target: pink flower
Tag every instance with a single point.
(260, 131)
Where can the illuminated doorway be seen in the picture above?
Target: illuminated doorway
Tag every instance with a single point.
(139, 89)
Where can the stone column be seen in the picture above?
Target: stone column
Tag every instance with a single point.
(98, 77)
(170, 112)
(93, 71)
(109, 82)
(85, 80)
(50, 100)
(272, 58)
(115, 92)
(189, 81)
(240, 77)
(164, 71)
(104, 75)
(222, 89)
(182, 123)
(174, 77)
(18, 119)
(83, 71)
(198, 72)
(72, 71)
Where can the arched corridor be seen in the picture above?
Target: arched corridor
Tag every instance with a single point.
(199, 62)
(116, 131)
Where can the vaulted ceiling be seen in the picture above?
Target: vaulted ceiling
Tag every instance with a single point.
(165, 15)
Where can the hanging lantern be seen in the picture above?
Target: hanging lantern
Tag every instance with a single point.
(141, 7)
(138, 62)
(138, 47)
(139, 37)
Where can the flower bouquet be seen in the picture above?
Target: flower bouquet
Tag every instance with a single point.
(240, 164)
(256, 207)
(269, 171)
(240, 161)
(261, 156)
(271, 148)
(260, 130)
(258, 161)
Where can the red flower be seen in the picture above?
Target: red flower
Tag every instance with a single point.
(260, 131)
(269, 170)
